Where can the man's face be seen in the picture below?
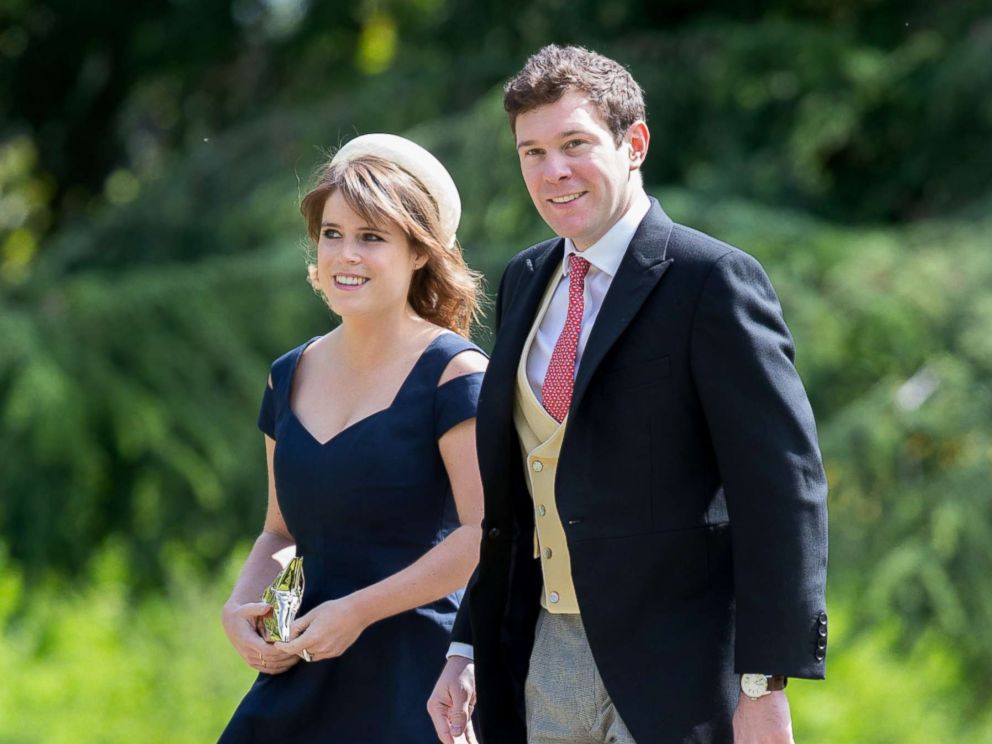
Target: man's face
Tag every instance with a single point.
(580, 181)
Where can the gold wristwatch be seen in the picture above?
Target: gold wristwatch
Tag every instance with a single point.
(756, 686)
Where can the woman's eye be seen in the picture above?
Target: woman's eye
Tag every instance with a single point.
(331, 234)
(372, 237)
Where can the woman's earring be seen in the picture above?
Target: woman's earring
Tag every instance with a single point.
(313, 279)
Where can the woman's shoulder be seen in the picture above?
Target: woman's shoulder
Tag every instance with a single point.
(463, 356)
(284, 364)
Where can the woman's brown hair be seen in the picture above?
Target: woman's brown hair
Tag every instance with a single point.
(445, 291)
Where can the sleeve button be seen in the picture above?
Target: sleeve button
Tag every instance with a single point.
(494, 533)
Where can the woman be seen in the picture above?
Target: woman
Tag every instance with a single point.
(370, 439)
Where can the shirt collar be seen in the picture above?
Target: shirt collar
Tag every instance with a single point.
(606, 253)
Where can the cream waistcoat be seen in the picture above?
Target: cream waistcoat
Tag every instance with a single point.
(540, 441)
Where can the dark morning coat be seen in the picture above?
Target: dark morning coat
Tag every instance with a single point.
(690, 486)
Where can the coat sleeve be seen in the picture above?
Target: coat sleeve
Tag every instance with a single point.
(764, 437)
(462, 630)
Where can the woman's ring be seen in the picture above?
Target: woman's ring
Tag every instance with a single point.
(306, 655)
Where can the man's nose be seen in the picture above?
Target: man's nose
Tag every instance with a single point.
(556, 169)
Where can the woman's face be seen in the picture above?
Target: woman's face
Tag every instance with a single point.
(361, 268)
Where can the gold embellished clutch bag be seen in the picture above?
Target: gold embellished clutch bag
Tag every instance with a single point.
(284, 595)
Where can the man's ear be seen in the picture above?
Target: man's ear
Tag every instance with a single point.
(637, 140)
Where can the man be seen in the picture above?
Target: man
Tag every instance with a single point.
(655, 504)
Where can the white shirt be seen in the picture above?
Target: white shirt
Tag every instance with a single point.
(604, 257)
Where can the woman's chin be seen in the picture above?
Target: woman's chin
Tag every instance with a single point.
(344, 308)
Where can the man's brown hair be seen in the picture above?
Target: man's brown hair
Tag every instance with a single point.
(550, 72)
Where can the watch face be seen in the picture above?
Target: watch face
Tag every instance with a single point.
(754, 685)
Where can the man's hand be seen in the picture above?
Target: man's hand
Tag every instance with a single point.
(453, 700)
(763, 721)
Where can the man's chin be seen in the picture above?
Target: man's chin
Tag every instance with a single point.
(564, 228)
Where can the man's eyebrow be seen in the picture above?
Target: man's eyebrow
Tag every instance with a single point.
(563, 135)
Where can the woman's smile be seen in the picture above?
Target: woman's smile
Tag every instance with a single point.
(349, 282)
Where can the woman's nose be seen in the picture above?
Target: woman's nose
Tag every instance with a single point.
(349, 251)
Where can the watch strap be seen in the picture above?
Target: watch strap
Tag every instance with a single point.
(777, 682)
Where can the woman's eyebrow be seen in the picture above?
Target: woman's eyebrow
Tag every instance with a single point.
(371, 228)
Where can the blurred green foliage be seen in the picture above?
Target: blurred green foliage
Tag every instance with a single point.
(93, 664)
(152, 265)
(852, 110)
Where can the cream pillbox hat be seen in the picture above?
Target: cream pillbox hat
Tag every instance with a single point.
(419, 163)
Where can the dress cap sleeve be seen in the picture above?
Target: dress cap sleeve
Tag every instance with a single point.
(456, 401)
(275, 399)
(267, 412)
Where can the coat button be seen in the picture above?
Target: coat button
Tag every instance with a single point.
(553, 597)
(547, 552)
(538, 466)
(820, 656)
(822, 645)
(541, 511)
(823, 632)
(494, 533)
(823, 618)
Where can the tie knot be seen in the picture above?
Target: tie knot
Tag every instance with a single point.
(578, 266)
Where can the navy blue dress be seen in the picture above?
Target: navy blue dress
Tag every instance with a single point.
(362, 506)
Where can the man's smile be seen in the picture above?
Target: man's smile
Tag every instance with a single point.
(567, 198)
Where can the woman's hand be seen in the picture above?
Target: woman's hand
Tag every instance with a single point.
(327, 631)
(241, 623)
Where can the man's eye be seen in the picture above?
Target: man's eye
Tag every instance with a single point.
(533, 152)
(572, 144)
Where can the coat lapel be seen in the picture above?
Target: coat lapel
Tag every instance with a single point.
(642, 267)
(519, 318)
(498, 449)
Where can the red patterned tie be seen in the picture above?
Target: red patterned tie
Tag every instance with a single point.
(560, 377)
